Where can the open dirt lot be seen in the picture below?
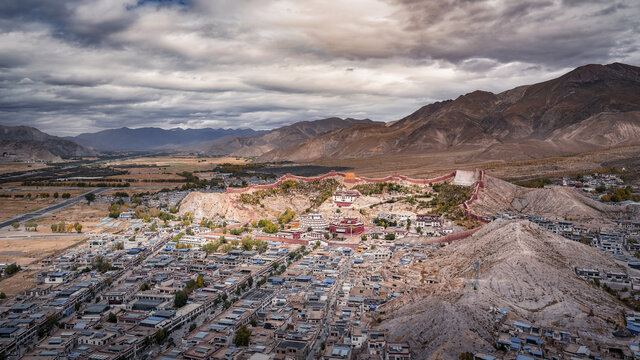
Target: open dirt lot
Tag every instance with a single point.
(13, 206)
(18, 283)
(28, 251)
(24, 250)
(88, 215)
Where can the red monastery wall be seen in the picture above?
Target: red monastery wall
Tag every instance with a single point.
(333, 173)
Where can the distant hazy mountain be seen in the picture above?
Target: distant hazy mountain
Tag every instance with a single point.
(150, 138)
(591, 107)
(281, 137)
(27, 143)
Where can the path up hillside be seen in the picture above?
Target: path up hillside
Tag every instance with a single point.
(524, 269)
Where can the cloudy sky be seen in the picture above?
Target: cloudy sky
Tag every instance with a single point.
(85, 65)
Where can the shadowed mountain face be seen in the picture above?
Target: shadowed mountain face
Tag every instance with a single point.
(591, 107)
(27, 143)
(283, 137)
(154, 138)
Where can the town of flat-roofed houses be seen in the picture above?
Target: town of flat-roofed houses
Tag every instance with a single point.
(319, 180)
(335, 267)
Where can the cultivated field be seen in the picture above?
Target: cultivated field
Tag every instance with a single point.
(6, 168)
(177, 163)
(155, 173)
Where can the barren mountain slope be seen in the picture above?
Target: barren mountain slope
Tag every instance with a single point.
(32, 144)
(560, 203)
(591, 107)
(26, 151)
(282, 137)
(523, 269)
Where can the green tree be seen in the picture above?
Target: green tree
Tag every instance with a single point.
(31, 226)
(269, 227)
(466, 356)
(180, 299)
(242, 336)
(286, 216)
(145, 287)
(200, 282)
(3, 295)
(78, 227)
(90, 197)
(15, 225)
(66, 195)
(12, 269)
(160, 336)
(112, 318)
(102, 265)
(56, 195)
(363, 237)
(390, 237)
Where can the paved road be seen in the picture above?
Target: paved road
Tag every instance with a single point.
(41, 212)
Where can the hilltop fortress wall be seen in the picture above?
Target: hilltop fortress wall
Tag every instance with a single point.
(348, 178)
(479, 185)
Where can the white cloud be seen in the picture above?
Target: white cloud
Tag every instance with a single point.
(92, 64)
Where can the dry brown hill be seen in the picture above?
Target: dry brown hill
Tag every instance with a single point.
(524, 269)
(556, 203)
(591, 107)
(27, 143)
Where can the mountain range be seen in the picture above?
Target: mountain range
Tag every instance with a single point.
(589, 108)
(152, 138)
(285, 136)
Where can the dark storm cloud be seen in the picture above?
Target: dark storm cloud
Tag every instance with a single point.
(545, 32)
(85, 65)
(62, 21)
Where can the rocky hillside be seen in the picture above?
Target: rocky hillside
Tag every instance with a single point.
(26, 143)
(524, 269)
(556, 203)
(304, 196)
(591, 107)
(281, 137)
